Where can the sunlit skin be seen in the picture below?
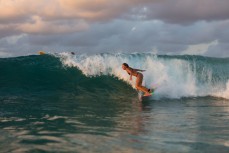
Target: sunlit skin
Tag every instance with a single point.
(139, 78)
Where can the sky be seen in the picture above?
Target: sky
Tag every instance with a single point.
(167, 27)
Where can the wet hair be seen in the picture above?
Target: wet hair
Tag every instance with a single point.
(126, 65)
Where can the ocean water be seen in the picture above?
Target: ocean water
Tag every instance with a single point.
(86, 103)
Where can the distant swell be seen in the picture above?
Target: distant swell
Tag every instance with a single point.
(174, 76)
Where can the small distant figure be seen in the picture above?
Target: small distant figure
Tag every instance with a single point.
(72, 53)
(139, 79)
(41, 52)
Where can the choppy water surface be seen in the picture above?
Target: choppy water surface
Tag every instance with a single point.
(69, 123)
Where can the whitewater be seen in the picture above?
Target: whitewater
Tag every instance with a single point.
(173, 76)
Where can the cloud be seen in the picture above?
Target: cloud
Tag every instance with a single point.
(119, 36)
(188, 11)
(165, 26)
(199, 49)
(220, 50)
(38, 26)
(58, 16)
(4, 54)
(89, 10)
(175, 11)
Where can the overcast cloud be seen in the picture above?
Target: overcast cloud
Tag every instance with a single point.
(199, 27)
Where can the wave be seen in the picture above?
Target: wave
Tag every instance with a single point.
(173, 76)
(41, 75)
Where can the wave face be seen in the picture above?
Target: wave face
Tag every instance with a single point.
(173, 76)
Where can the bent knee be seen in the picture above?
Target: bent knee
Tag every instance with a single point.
(137, 86)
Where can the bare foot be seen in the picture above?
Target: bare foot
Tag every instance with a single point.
(147, 94)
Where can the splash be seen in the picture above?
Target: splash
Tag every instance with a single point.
(173, 76)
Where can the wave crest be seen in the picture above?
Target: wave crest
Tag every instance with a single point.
(173, 76)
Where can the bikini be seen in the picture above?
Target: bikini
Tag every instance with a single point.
(136, 72)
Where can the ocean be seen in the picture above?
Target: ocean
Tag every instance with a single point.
(86, 103)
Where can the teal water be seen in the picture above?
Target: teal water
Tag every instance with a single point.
(65, 104)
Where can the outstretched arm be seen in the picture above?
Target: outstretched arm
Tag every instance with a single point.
(139, 70)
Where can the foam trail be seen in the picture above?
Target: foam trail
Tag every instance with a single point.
(175, 77)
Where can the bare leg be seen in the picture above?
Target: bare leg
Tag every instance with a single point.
(142, 88)
(139, 84)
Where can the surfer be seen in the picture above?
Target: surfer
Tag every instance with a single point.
(139, 76)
